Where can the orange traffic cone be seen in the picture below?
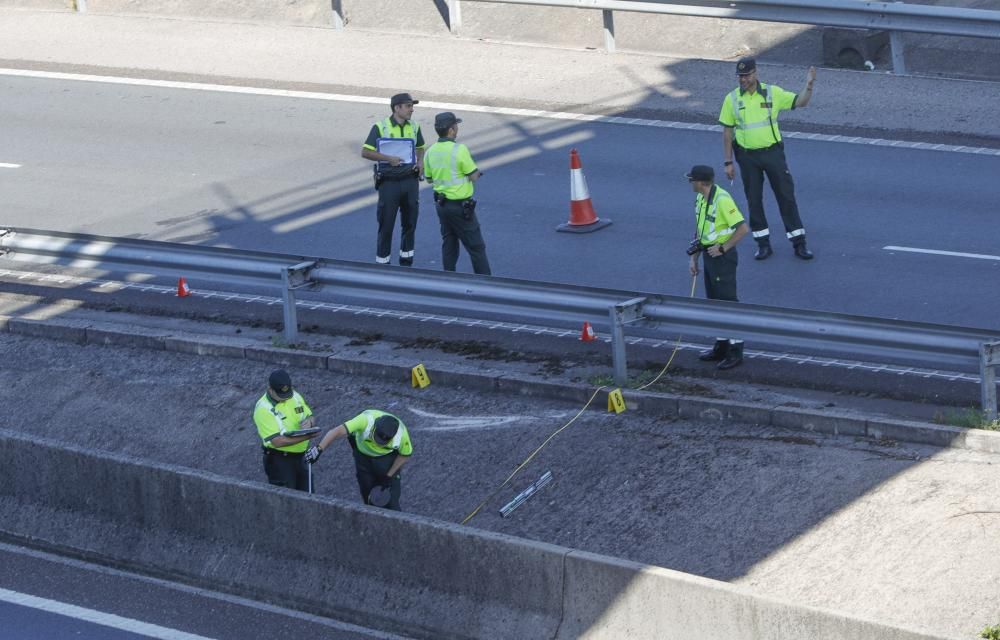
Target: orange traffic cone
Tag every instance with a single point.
(183, 290)
(587, 335)
(582, 218)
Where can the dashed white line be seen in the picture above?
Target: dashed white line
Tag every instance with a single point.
(9, 165)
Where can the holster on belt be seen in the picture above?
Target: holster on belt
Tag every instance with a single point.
(377, 176)
(468, 209)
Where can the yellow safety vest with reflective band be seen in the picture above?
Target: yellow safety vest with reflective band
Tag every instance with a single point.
(754, 116)
(277, 419)
(362, 428)
(447, 164)
(389, 129)
(717, 216)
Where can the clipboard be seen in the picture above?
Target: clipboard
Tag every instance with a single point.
(404, 148)
(302, 432)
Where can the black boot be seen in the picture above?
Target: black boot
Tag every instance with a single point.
(802, 252)
(764, 251)
(718, 352)
(734, 356)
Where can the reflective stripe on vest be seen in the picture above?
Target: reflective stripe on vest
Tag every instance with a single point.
(743, 125)
(430, 161)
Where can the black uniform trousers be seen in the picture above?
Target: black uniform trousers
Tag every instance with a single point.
(461, 224)
(754, 165)
(286, 469)
(374, 471)
(720, 276)
(397, 195)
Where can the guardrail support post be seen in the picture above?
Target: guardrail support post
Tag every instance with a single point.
(338, 15)
(454, 16)
(609, 30)
(989, 358)
(898, 57)
(292, 278)
(620, 314)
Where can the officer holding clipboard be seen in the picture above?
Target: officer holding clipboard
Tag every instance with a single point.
(285, 425)
(396, 145)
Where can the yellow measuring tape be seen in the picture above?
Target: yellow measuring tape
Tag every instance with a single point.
(677, 345)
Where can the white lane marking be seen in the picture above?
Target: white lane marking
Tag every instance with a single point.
(462, 423)
(937, 252)
(9, 165)
(505, 111)
(96, 617)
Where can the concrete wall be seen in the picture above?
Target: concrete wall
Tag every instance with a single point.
(306, 12)
(426, 578)
(41, 5)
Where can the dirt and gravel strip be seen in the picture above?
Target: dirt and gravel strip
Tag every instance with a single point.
(879, 529)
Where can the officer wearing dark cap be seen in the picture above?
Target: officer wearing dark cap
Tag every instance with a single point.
(279, 415)
(719, 226)
(397, 179)
(750, 115)
(450, 168)
(381, 446)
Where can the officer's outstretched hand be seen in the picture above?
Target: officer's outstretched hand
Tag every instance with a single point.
(313, 454)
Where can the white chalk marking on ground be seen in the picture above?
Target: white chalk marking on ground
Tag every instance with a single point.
(504, 111)
(9, 165)
(96, 617)
(938, 252)
(461, 423)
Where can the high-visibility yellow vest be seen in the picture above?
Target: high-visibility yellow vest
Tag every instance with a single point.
(717, 216)
(447, 164)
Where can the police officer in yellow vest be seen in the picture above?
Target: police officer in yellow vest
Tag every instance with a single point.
(279, 414)
(750, 114)
(719, 226)
(450, 168)
(396, 179)
(381, 446)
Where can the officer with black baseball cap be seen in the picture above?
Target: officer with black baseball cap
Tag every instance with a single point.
(381, 446)
(719, 226)
(285, 425)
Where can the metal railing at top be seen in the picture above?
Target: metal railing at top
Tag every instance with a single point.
(619, 312)
(894, 17)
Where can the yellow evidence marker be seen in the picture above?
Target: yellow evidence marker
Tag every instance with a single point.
(419, 376)
(616, 402)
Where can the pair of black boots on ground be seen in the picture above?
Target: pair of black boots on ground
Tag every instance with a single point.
(728, 353)
(764, 251)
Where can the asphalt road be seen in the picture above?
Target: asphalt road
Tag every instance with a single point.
(48, 596)
(285, 174)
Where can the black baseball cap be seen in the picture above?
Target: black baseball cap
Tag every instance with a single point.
(446, 120)
(745, 66)
(281, 383)
(701, 173)
(402, 98)
(385, 429)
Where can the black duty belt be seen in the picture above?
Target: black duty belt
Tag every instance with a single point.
(284, 454)
(391, 178)
(777, 145)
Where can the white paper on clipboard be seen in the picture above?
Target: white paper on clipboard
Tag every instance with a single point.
(400, 147)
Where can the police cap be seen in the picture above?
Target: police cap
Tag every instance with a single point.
(385, 429)
(745, 66)
(700, 173)
(446, 120)
(402, 98)
(281, 383)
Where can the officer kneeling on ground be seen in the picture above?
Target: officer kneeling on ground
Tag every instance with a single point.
(720, 226)
(381, 446)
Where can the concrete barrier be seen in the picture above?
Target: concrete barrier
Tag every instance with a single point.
(305, 12)
(396, 572)
(40, 5)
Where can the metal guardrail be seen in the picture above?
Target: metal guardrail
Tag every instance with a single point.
(894, 17)
(620, 312)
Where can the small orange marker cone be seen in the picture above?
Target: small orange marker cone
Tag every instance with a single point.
(587, 335)
(183, 290)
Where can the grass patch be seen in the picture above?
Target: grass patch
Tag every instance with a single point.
(970, 418)
(991, 633)
(666, 384)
